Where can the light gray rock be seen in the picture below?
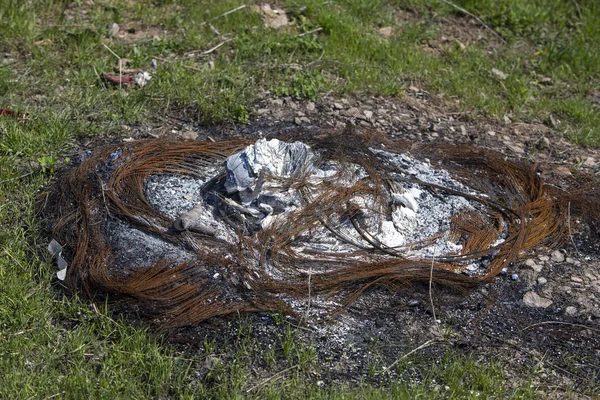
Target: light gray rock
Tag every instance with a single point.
(189, 136)
(532, 299)
(542, 281)
(113, 30)
(530, 262)
(557, 256)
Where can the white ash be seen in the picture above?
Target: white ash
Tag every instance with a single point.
(259, 174)
(422, 170)
(173, 195)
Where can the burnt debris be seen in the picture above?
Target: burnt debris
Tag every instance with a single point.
(189, 231)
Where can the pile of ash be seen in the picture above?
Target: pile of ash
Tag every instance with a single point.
(195, 230)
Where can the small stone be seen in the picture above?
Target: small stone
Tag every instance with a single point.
(297, 121)
(310, 106)
(368, 114)
(571, 310)
(413, 303)
(353, 112)
(463, 130)
(590, 162)
(563, 171)
(304, 120)
(338, 106)
(499, 74)
(514, 277)
(262, 111)
(386, 32)
(530, 262)
(542, 281)
(491, 133)
(533, 299)
(544, 143)
(414, 89)
(507, 120)
(546, 80)
(517, 148)
(576, 279)
(211, 361)
(277, 102)
(189, 136)
(113, 30)
(543, 258)
(504, 271)
(557, 256)
(210, 64)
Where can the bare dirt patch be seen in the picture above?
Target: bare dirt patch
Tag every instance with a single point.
(559, 337)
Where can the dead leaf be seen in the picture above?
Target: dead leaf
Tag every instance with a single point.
(15, 114)
(126, 80)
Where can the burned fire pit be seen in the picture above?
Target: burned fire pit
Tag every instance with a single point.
(190, 231)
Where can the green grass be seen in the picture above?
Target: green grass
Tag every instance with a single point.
(53, 53)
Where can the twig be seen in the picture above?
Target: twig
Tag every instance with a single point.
(459, 8)
(224, 14)
(17, 177)
(435, 321)
(309, 295)
(54, 395)
(560, 323)
(100, 78)
(309, 32)
(105, 316)
(531, 353)
(426, 344)
(315, 61)
(272, 377)
(212, 28)
(15, 260)
(120, 73)
(9, 64)
(109, 49)
(184, 66)
(203, 53)
(569, 228)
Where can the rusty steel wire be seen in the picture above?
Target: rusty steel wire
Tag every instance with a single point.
(109, 185)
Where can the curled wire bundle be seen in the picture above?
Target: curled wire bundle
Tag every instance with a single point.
(263, 269)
